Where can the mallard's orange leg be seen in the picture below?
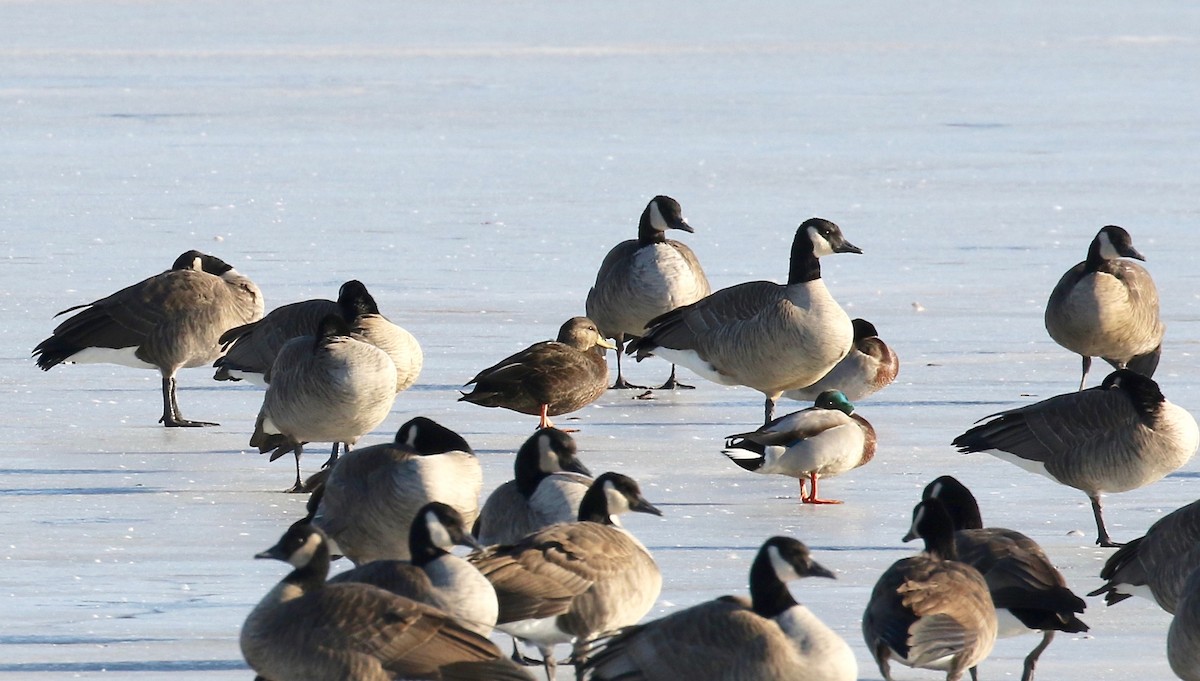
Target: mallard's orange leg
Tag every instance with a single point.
(813, 498)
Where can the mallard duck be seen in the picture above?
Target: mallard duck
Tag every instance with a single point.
(1029, 593)
(645, 277)
(771, 637)
(824, 440)
(571, 581)
(372, 495)
(760, 334)
(1108, 307)
(547, 378)
(306, 629)
(328, 387)
(548, 484)
(168, 322)
(1118, 436)
(870, 367)
(1155, 565)
(930, 611)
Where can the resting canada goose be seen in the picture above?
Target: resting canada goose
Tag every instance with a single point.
(324, 388)
(571, 581)
(547, 378)
(1155, 565)
(824, 440)
(645, 277)
(870, 367)
(168, 322)
(1118, 436)
(372, 494)
(252, 347)
(760, 334)
(304, 629)
(768, 638)
(1029, 593)
(549, 483)
(1108, 307)
(1183, 638)
(435, 576)
(930, 611)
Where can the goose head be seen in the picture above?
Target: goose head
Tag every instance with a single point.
(661, 214)
(931, 522)
(547, 451)
(611, 495)
(780, 560)
(1113, 242)
(355, 301)
(958, 501)
(435, 530)
(426, 436)
(1142, 391)
(331, 326)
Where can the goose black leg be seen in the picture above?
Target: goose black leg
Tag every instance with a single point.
(1102, 537)
(171, 417)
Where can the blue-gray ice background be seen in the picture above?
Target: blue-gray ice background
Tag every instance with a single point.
(472, 162)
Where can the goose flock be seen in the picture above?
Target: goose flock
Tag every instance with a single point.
(549, 561)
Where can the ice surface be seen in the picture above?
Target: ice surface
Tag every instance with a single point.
(472, 162)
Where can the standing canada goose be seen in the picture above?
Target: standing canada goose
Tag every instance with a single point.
(571, 581)
(645, 277)
(930, 611)
(1118, 436)
(435, 576)
(548, 486)
(1155, 565)
(771, 637)
(168, 322)
(304, 629)
(1183, 638)
(324, 388)
(372, 495)
(760, 334)
(824, 440)
(252, 347)
(1029, 593)
(1108, 307)
(547, 378)
(870, 367)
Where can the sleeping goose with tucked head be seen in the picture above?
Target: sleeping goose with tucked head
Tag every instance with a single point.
(1029, 593)
(760, 334)
(571, 581)
(547, 378)
(930, 611)
(372, 495)
(824, 440)
(869, 367)
(645, 277)
(548, 484)
(305, 629)
(1118, 436)
(1107, 307)
(771, 637)
(171, 321)
(328, 387)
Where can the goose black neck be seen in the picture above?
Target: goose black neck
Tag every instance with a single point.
(769, 595)
(312, 576)
(647, 234)
(594, 505)
(804, 265)
(421, 545)
(940, 544)
(527, 470)
(1094, 258)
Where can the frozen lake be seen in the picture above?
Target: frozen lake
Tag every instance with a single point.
(472, 162)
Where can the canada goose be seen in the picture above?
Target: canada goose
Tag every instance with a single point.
(304, 629)
(1155, 565)
(824, 440)
(645, 277)
(870, 367)
(760, 334)
(1108, 307)
(570, 581)
(767, 638)
(435, 576)
(930, 611)
(372, 494)
(1029, 593)
(324, 388)
(1183, 638)
(252, 347)
(549, 483)
(168, 322)
(1118, 436)
(547, 378)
